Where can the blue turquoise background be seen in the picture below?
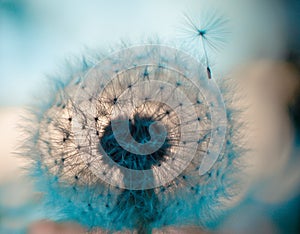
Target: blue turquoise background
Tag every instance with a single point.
(36, 36)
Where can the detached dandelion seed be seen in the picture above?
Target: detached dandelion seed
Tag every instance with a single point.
(209, 32)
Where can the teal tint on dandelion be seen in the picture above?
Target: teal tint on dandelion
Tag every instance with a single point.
(134, 142)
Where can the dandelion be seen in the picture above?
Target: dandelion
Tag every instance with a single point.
(121, 142)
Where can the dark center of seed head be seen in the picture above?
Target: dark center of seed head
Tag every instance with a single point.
(139, 130)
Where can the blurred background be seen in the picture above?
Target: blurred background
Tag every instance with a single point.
(262, 54)
(36, 36)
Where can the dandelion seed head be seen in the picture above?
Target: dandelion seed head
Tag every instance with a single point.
(126, 142)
